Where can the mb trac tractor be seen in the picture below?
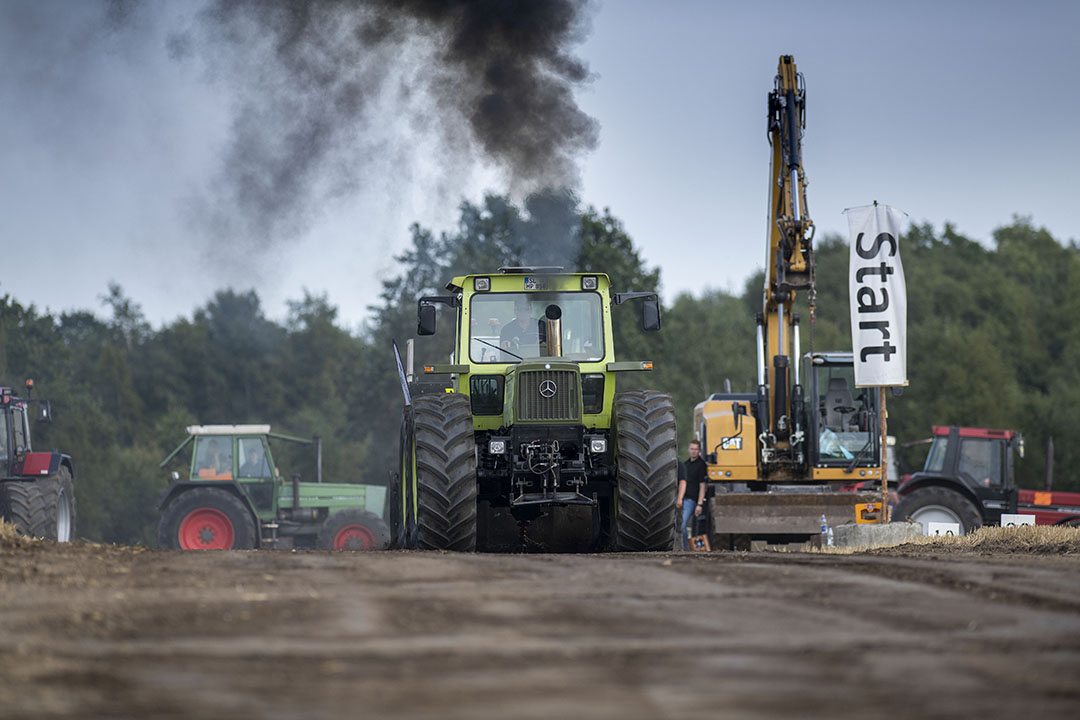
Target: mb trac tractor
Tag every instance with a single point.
(777, 458)
(233, 496)
(530, 426)
(968, 479)
(37, 490)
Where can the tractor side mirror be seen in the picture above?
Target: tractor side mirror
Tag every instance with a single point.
(650, 314)
(425, 320)
(44, 411)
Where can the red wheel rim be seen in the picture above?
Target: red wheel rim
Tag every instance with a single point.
(206, 529)
(354, 537)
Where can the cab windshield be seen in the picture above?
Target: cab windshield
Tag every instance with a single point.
(935, 460)
(511, 327)
(846, 417)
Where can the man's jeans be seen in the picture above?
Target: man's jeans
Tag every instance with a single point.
(688, 506)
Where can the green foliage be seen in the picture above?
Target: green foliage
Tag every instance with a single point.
(993, 337)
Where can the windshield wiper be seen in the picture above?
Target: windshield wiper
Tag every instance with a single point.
(520, 359)
(851, 468)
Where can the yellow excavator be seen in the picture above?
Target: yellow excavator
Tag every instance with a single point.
(777, 458)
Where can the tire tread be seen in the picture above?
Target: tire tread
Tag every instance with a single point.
(646, 447)
(445, 473)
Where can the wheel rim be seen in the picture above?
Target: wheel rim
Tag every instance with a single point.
(206, 529)
(354, 537)
(936, 513)
(63, 517)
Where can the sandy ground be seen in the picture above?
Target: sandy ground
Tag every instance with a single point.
(102, 631)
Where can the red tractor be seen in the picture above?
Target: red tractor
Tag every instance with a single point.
(968, 479)
(37, 491)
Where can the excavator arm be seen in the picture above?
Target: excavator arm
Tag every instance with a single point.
(790, 264)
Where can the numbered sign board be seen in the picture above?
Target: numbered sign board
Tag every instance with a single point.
(1008, 520)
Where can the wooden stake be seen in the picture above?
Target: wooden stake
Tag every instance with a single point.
(884, 459)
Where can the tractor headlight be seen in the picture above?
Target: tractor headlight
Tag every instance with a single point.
(497, 446)
(481, 284)
(589, 282)
(597, 445)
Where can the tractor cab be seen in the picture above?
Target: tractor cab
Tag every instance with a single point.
(978, 458)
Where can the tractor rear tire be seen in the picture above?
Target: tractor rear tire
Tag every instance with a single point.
(446, 487)
(60, 505)
(206, 519)
(648, 469)
(353, 529)
(935, 503)
(25, 505)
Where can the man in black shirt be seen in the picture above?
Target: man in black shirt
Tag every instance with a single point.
(693, 479)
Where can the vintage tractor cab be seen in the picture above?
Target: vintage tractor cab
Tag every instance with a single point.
(37, 489)
(531, 422)
(231, 494)
(968, 478)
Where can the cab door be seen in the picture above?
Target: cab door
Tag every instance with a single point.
(981, 465)
(255, 472)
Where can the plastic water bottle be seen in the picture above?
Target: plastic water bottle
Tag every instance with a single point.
(826, 531)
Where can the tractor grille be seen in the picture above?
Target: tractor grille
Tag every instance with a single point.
(562, 405)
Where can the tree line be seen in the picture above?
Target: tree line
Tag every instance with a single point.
(993, 333)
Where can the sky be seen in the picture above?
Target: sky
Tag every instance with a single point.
(959, 112)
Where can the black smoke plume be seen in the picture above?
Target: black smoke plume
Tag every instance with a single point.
(312, 82)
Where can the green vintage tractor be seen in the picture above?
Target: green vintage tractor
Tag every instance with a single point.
(233, 496)
(530, 426)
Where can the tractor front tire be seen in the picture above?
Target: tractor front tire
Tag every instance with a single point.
(206, 519)
(60, 505)
(648, 468)
(445, 473)
(939, 504)
(25, 505)
(353, 529)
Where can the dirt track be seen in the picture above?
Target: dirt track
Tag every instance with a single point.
(90, 631)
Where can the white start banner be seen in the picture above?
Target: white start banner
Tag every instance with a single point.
(878, 296)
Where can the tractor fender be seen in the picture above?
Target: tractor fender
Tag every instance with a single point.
(919, 481)
(181, 486)
(41, 464)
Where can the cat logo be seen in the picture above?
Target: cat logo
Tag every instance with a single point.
(731, 443)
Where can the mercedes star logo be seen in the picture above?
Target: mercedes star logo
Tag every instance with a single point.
(548, 388)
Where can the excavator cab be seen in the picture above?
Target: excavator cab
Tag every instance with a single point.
(843, 426)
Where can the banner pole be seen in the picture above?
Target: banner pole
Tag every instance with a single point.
(884, 459)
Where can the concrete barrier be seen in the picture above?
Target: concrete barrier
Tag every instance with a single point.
(873, 535)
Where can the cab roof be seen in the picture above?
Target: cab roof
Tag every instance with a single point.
(228, 429)
(974, 432)
(458, 283)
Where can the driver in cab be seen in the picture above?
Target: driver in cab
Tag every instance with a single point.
(522, 331)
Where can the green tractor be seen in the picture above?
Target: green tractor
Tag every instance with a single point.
(530, 427)
(233, 496)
